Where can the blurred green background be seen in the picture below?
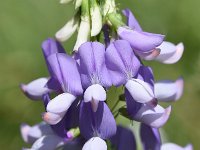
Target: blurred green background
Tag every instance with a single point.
(24, 24)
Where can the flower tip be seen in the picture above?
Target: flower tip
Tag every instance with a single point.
(23, 87)
(24, 129)
(177, 55)
(180, 87)
(180, 46)
(163, 119)
(51, 118)
(188, 147)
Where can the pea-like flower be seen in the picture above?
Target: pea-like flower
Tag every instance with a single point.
(96, 119)
(165, 52)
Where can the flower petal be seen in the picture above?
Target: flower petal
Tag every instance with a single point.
(150, 137)
(124, 139)
(121, 61)
(140, 41)
(51, 46)
(94, 94)
(96, 18)
(35, 89)
(172, 146)
(24, 129)
(169, 90)
(92, 64)
(154, 117)
(140, 90)
(65, 70)
(151, 55)
(95, 143)
(170, 53)
(67, 30)
(146, 74)
(83, 33)
(60, 103)
(131, 20)
(31, 134)
(52, 118)
(132, 106)
(100, 123)
(48, 142)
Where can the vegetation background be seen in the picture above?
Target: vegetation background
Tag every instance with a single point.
(24, 24)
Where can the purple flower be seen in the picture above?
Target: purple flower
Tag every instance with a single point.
(96, 120)
(165, 52)
(149, 113)
(65, 73)
(168, 90)
(170, 53)
(94, 74)
(143, 43)
(124, 66)
(124, 139)
(37, 88)
(150, 137)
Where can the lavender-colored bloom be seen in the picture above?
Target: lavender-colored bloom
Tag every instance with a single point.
(154, 116)
(36, 88)
(65, 72)
(170, 53)
(94, 74)
(124, 139)
(166, 52)
(96, 120)
(142, 42)
(31, 133)
(149, 113)
(150, 137)
(124, 66)
(51, 46)
(167, 90)
(92, 65)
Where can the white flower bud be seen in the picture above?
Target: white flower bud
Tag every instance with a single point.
(83, 32)
(67, 31)
(96, 19)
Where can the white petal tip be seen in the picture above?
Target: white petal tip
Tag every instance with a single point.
(51, 118)
(24, 129)
(35, 89)
(61, 103)
(163, 119)
(140, 90)
(95, 143)
(180, 87)
(177, 55)
(95, 92)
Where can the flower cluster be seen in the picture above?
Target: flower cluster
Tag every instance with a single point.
(74, 95)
